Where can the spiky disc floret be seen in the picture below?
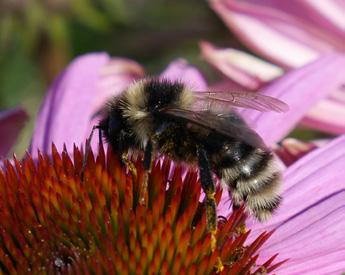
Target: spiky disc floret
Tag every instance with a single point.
(52, 222)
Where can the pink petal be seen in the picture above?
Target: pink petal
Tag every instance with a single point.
(71, 102)
(313, 240)
(116, 75)
(310, 223)
(243, 68)
(311, 179)
(180, 70)
(331, 15)
(328, 116)
(325, 15)
(278, 36)
(290, 150)
(338, 95)
(251, 73)
(301, 89)
(11, 123)
(311, 220)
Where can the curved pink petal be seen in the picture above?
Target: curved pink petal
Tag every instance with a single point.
(180, 70)
(71, 102)
(115, 76)
(311, 179)
(301, 89)
(252, 73)
(338, 95)
(310, 224)
(243, 68)
(11, 123)
(326, 15)
(313, 240)
(290, 150)
(311, 220)
(328, 116)
(282, 38)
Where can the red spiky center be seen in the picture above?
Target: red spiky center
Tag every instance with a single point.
(54, 222)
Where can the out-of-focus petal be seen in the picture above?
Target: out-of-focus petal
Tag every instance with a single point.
(325, 15)
(332, 13)
(339, 95)
(180, 70)
(247, 70)
(115, 77)
(290, 150)
(301, 89)
(282, 38)
(71, 102)
(11, 123)
(251, 73)
(328, 116)
(226, 85)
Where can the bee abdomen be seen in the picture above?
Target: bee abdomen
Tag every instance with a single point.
(254, 179)
(262, 207)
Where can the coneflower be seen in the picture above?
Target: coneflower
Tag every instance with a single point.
(52, 222)
(308, 226)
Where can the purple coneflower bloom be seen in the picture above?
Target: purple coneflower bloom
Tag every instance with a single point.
(310, 223)
(288, 34)
(291, 33)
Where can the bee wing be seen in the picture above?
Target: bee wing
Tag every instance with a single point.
(224, 100)
(229, 125)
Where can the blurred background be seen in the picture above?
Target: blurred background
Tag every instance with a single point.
(39, 37)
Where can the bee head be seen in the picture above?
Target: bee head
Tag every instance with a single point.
(116, 131)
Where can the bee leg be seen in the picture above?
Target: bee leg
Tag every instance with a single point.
(88, 149)
(100, 140)
(147, 170)
(236, 205)
(129, 165)
(210, 190)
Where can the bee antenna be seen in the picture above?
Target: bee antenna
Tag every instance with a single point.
(88, 148)
(88, 140)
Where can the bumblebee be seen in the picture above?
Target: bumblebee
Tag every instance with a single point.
(202, 129)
